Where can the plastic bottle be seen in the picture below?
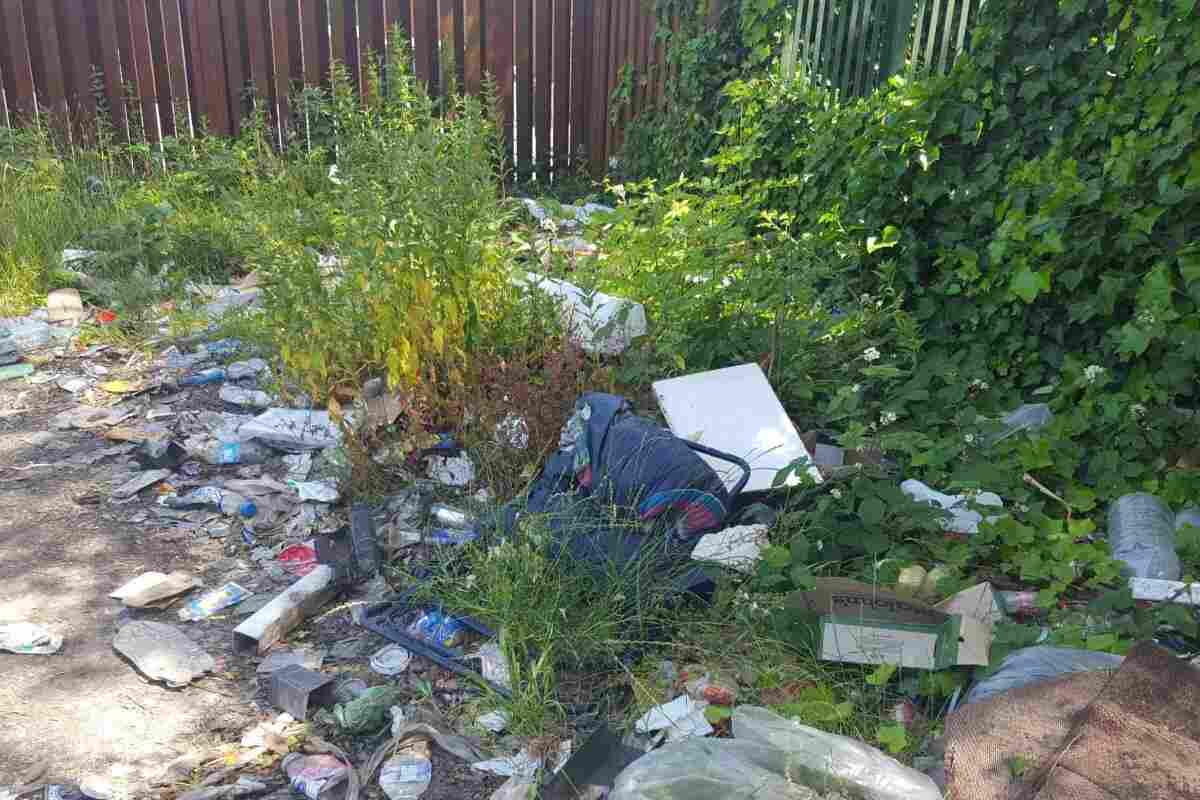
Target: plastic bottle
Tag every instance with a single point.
(451, 517)
(407, 776)
(213, 497)
(1141, 533)
(218, 452)
(213, 375)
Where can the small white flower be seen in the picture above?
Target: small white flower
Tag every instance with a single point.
(1093, 372)
(856, 388)
(618, 598)
(979, 385)
(970, 438)
(470, 580)
(1138, 410)
(619, 190)
(837, 493)
(871, 354)
(887, 418)
(820, 545)
(333, 175)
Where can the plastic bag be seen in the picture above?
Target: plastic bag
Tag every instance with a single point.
(823, 759)
(1141, 534)
(1028, 417)
(1033, 664)
(708, 769)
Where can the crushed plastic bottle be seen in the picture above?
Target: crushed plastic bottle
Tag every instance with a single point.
(219, 452)
(1141, 534)
(438, 628)
(212, 497)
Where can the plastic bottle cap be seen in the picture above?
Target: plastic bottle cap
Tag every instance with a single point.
(248, 509)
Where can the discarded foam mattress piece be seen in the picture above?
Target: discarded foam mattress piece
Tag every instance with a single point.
(735, 410)
(598, 322)
(1085, 736)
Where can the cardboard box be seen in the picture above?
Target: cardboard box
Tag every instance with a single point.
(862, 624)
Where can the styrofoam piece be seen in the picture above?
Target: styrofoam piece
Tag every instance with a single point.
(598, 322)
(736, 548)
(736, 411)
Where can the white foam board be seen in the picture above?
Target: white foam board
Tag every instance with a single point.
(735, 410)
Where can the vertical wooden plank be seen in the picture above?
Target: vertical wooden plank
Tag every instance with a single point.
(918, 35)
(927, 53)
(295, 43)
(866, 67)
(447, 52)
(172, 17)
(206, 56)
(523, 29)
(543, 54)
(15, 59)
(618, 59)
(947, 21)
(162, 76)
(399, 12)
(833, 50)
(258, 51)
(45, 58)
(472, 46)
(560, 88)
(139, 31)
(597, 130)
(73, 44)
(424, 46)
(345, 38)
(895, 38)
(236, 70)
(281, 47)
(373, 28)
(314, 21)
(815, 69)
(102, 33)
(582, 52)
(498, 51)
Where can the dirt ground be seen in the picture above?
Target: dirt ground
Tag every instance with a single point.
(65, 546)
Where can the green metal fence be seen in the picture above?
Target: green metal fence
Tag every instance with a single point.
(852, 46)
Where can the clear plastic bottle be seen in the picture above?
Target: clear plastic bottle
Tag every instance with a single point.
(218, 452)
(408, 774)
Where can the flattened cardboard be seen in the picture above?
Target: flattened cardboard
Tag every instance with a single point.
(862, 624)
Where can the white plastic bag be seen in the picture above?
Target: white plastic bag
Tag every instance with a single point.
(1141, 535)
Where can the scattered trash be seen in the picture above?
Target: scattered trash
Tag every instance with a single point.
(523, 765)
(298, 559)
(1141, 534)
(160, 454)
(1087, 735)
(735, 410)
(295, 689)
(717, 690)
(30, 333)
(735, 548)
(369, 712)
(494, 721)
(246, 398)
(517, 788)
(513, 431)
(349, 689)
(962, 520)
(438, 628)
(863, 624)
(317, 777)
(445, 536)
(29, 639)
(124, 387)
(451, 517)
(162, 652)
(219, 453)
(240, 370)
(207, 497)
(493, 664)
(299, 465)
(391, 660)
(1029, 417)
(274, 620)
(325, 491)
(89, 418)
(154, 589)
(9, 354)
(406, 775)
(14, 371)
(292, 430)
(1034, 664)
(203, 377)
(683, 717)
(203, 607)
(597, 322)
(307, 657)
(457, 471)
(1152, 589)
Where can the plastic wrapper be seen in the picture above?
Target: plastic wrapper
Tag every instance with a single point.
(1141, 534)
(1033, 664)
(823, 759)
(1028, 417)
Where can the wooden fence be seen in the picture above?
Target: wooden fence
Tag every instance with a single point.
(853, 46)
(168, 64)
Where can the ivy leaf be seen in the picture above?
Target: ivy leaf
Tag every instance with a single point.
(803, 578)
(893, 737)
(717, 714)
(1133, 340)
(889, 238)
(882, 674)
(1028, 284)
(871, 511)
(776, 556)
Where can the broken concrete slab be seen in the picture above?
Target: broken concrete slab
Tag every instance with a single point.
(736, 548)
(139, 482)
(163, 652)
(735, 410)
(152, 588)
(598, 322)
